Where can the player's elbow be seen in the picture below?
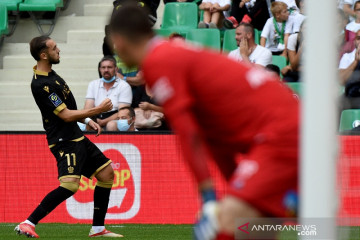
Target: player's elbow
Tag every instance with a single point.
(66, 116)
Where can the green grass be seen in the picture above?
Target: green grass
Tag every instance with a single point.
(56, 231)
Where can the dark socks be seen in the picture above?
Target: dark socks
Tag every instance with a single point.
(49, 203)
(101, 201)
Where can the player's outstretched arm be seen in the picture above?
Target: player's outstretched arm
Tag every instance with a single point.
(79, 115)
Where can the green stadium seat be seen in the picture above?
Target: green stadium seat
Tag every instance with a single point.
(3, 23)
(12, 5)
(350, 119)
(3, 20)
(257, 36)
(279, 61)
(32, 6)
(229, 42)
(180, 17)
(40, 5)
(296, 87)
(205, 37)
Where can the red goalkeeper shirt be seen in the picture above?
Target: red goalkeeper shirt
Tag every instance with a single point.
(218, 105)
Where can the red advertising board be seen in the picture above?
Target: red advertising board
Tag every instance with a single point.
(152, 182)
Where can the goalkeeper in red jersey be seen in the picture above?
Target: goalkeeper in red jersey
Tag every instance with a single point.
(219, 109)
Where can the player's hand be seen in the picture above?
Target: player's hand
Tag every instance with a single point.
(106, 105)
(93, 125)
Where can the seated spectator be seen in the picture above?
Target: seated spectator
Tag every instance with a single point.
(249, 11)
(273, 68)
(350, 61)
(130, 75)
(343, 45)
(297, 17)
(248, 51)
(213, 12)
(354, 25)
(348, 7)
(277, 30)
(125, 121)
(295, 50)
(292, 6)
(108, 86)
(149, 116)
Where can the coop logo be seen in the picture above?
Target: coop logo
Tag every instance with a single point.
(125, 194)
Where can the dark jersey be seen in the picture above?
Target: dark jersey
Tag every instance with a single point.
(52, 95)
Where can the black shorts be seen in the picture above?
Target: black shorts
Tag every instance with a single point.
(79, 158)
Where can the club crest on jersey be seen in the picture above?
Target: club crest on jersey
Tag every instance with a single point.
(55, 99)
(46, 88)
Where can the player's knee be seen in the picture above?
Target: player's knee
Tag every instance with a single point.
(232, 208)
(106, 175)
(70, 185)
(111, 126)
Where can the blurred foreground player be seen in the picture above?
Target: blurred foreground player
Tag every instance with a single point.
(220, 108)
(75, 154)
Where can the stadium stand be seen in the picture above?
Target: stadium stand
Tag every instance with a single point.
(3, 21)
(79, 32)
(32, 6)
(296, 87)
(205, 37)
(164, 32)
(229, 42)
(180, 17)
(350, 119)
(279, 61)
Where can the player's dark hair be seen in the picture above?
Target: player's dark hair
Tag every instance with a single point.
(108, 58)
(37, 46)
(248, 28)
(132, 22)
(131, 111)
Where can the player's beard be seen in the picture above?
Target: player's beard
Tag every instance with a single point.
(53, 60)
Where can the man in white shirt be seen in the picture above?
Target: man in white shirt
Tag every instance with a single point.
(109, 86)
(350, 61)
(248, 51)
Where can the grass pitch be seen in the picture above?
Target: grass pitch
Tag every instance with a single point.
(56, 231)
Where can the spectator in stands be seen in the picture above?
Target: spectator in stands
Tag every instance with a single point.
(348, 7)
(125, 121)
(350, 61)
(213, 12)
(354, 25)
(249, 11)
(343, 45)
(295, 50)
(297, 17)
(131, 75)
(248, 51)
(108, 86)
(273, 68)
(291, 4)
(149, 115)
(276, 30)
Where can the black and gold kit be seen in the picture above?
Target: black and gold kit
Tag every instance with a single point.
(75, 154)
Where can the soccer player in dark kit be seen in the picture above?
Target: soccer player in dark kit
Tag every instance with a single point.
(75, 154)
